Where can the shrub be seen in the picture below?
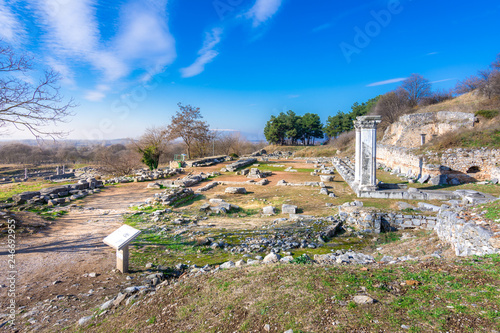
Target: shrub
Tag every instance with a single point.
(488, 114)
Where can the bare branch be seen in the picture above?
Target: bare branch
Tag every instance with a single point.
(30, 106)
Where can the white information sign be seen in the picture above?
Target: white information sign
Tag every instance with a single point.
(121, 237)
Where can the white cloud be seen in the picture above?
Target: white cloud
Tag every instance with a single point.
(263, 10)
(98, 94)
(322, 27)
(72, 32)
(381, 83)
(11, 29)
(206, 54)
(144, 36)
(293, 96)
(66, 73)
(442, 80)
(143, 39)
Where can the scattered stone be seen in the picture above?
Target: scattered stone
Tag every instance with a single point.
(268, 210)
(361, 299)
(227, 264)
(324, 191)
(328, 178)
(272, 258)
(107, 305)
(240, 263)
(84, 320)
(236, 190)
(119, 299)
(288, 209)
(424, 179)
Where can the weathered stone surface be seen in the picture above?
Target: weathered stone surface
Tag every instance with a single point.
(84, 320)
(288, 209)
(236, 190)
(268, 210)
(361, 299)
(327, 178)
(424, 179)
(107, 305)
(227, 264)
(240, 263)
(324, 191)
(271, 258)
(240, 164)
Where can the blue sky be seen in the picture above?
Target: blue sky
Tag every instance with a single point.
(128, 63)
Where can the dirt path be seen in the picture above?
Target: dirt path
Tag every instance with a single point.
(71, 246)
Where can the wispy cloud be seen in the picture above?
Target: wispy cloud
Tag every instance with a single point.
(66, 73)
(98, 94)
(381, 83)
(293, 96)
(72, 32)
(206, 54)
(263, 10)
(322, 27)
(432, 53)
(444, 80)
(142, 40)
(144, 37)
(11, 30)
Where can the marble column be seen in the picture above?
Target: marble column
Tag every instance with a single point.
(366, 152)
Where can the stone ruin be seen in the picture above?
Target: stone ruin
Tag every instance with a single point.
(239, 164)
(57, 194)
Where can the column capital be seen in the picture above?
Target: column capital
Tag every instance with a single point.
(367, 122)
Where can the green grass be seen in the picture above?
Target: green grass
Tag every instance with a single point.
(488, 114)
(148, 209)
(309, 298)
(16, 188)
(47, 213)
(492, 210)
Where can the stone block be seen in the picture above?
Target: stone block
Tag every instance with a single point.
(268, 210)
(236, 190)
(327, 178)
(288, 209)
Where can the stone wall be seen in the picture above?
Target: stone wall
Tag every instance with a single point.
(402, 159)
(406, 131)
(379, 221)
(465, 164)
(466, 238)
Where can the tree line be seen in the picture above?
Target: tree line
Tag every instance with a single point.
(289, 128)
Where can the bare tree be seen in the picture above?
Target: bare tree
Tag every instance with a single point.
(486, 77)
(496, 63)
(152, 145)
(417, 88)
(470, 83)
(437, 96)
(118, 161)
(27, 105)
(186, 124)
(391, 106)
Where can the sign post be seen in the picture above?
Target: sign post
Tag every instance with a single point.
(119, 240)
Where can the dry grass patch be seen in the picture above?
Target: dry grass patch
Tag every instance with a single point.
(458, 296)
